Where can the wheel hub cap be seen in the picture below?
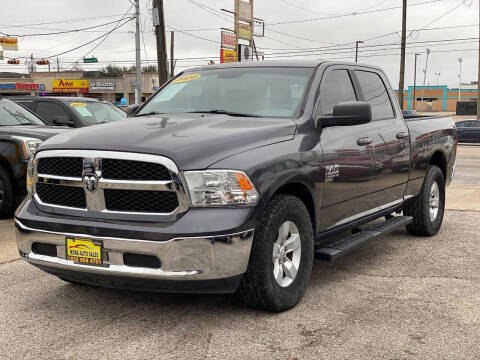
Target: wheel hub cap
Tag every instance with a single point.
(287, 251)
(434, 201)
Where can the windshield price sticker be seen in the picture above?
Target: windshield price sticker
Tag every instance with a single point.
(187, 78)
(78, 104)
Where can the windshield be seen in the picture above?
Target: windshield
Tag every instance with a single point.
(93, 112)
(260, 91)
(14, 114)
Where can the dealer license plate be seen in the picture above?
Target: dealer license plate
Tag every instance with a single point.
(84, 251)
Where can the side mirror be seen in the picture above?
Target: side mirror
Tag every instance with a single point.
(347, 114)
(132, 109)
(62, 120)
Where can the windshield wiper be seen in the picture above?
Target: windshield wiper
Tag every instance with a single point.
(148, 114)
(225, 112)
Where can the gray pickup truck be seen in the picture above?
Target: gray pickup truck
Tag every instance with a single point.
(232, 178)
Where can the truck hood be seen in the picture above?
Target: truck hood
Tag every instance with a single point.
(192, 141)
(34, 131)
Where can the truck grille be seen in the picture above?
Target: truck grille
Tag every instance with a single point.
(109, 183)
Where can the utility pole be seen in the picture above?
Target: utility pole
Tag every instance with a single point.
(415, 81)
(402, 56)
(161, 42)
(58, 65)
(172, 58)
(138, 61)
(356, 50)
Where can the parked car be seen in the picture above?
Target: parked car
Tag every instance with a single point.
(21, 132)
(468, 131)
(232, 177)
(71, 111)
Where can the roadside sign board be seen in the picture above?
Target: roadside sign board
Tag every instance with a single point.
(244, 32)
(90, 60)
(9, 43)
(70, 86)
(229, 40)
(245, 11)
(227, 56)
(258, 28)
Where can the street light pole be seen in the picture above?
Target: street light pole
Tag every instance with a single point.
(356, 50)
(138, 61)
(460, 79)
(425, 75)
(415, 81)
(437, 75)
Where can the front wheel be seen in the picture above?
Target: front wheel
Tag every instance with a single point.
(429, 206)
(281, 258)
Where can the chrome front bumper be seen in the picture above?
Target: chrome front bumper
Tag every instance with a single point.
(186, 258)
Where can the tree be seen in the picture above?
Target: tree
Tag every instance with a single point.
(112, 71)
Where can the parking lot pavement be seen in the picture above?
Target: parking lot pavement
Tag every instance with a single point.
(400, 297)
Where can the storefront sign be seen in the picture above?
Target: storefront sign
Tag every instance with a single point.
(102, 86)
(227, 56)
(22, 86)
(229, 40)
(244, 32)
(70, 86)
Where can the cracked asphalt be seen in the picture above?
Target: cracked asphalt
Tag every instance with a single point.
(399, 297)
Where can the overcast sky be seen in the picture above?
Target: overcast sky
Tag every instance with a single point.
(331, 25)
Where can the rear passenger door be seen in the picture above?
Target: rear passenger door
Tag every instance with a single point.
(391, 145)
(348, 164)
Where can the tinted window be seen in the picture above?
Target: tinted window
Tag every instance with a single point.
(256, 91)
(27, 104)
(48, 110)
(376, 94)
(93, 112)
(14, 114)
(463, 124)
(336, 87)
(475, 124)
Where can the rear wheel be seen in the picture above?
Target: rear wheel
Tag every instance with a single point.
(429, 206)
(281, 258)
(7, 194)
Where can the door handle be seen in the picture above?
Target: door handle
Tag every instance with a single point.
(364, 141)
(402, 135)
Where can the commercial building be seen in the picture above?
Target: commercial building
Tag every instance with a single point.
(79, 83)
(438, 98)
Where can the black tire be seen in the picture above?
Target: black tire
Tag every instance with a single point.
(419, 208)
(258, 287)
(7, 199)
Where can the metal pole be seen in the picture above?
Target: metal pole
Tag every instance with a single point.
(425, 75)
(172, 61)
(138, 61)
(402, 57)
(356, 50)
(415, 81)
(58, 65)
(460, 80)
(478, 79)
(161, 44)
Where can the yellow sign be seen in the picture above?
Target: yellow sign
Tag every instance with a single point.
(84, 251)
(244, 32)
(187, 78)
(70, 86)
(78, 104)
(9, 43)
(227, 56)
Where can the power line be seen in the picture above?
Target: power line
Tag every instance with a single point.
(63, 21)
(350, 14)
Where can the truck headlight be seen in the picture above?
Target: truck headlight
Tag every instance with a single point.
(29, 145)
(220, 187)
(30, 176)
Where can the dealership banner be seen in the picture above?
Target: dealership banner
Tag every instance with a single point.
(70, 86)
(227, 56)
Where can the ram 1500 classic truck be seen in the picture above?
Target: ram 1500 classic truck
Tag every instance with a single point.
(232, 178)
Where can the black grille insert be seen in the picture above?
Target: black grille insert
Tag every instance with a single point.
(116, 169)
(61, 166)
(61, 195)
(44, 249)
(141, 260)
(140, 201)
